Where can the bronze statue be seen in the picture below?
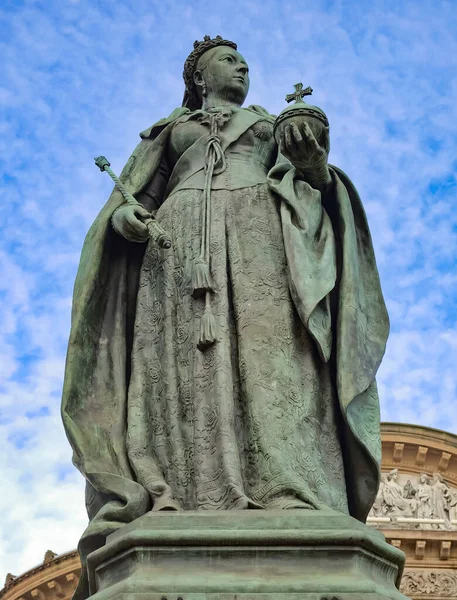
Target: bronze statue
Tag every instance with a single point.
(236, 369)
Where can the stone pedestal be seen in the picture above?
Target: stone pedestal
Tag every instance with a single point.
(246, 555)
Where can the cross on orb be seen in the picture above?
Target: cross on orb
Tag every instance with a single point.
(299, 93)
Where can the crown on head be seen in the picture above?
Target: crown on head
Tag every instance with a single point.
(199, 49)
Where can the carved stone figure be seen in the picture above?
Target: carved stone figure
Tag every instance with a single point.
(394, 496)
(442, 500)
(235, 370)
(409, 491)
(424, 499)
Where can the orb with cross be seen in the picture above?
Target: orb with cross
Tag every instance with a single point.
(301, 112)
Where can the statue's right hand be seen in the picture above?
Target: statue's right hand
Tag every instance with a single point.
(127, 221)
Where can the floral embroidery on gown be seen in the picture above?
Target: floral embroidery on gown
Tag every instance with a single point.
(253, 421)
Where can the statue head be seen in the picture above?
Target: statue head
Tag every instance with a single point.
(423, 478)
(215, 67)
(393, 475)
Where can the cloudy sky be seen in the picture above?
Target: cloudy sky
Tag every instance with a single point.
(81, 78)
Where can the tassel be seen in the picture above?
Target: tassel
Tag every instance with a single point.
(208, 327)
(202, 281)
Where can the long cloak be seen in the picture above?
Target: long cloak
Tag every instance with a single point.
(344, 312)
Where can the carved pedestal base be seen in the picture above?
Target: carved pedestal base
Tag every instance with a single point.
(246, 555)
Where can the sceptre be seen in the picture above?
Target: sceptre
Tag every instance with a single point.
(155, 230)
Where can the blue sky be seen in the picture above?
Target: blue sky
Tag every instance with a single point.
(83, 78)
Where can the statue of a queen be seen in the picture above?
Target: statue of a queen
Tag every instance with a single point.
(235, 370)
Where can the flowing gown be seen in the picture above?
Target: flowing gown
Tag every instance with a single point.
(253, 420)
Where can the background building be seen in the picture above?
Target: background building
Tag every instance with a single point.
(416, 509)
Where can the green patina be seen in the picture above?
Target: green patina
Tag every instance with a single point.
(235, 370)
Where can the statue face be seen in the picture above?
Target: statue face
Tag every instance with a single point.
(225, 73)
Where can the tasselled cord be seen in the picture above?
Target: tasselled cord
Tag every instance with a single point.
(202, 282)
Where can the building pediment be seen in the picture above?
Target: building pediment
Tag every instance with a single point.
(419, 479)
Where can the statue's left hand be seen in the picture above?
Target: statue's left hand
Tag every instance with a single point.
(299, 145)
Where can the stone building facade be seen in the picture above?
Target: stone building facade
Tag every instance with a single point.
(54, 579)
(416, 509)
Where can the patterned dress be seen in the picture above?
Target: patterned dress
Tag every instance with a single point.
(253, 420)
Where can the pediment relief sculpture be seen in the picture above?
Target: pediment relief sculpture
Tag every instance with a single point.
(419, 501)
